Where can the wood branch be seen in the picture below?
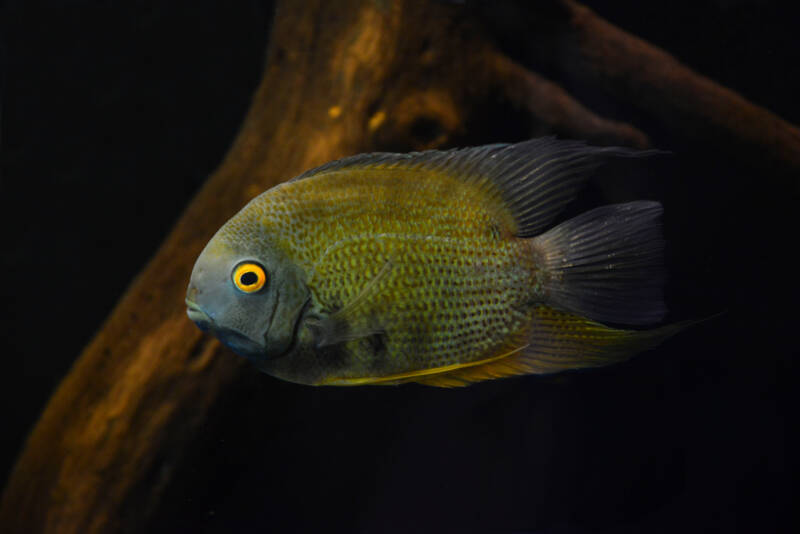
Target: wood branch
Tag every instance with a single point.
(583, 46)
(558, 110)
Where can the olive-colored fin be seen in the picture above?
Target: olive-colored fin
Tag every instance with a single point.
(559, 341)
(352, 320)
(534, 179)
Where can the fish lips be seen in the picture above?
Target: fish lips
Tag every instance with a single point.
(236, 341)
(198, 316)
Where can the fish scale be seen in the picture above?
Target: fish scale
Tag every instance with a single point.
(482, 275)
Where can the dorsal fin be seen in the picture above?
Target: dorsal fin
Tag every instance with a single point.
(535, 179)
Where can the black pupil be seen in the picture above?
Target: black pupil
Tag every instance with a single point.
(248, 279)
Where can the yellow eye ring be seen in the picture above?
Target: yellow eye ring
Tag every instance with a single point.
(249, 277)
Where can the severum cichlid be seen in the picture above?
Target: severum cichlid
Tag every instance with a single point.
(433, 267)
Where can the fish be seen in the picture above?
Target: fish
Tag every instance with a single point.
(441, 267)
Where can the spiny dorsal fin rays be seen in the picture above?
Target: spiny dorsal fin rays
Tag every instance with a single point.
(535, 179)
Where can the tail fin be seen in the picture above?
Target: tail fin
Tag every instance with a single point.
(607, 264)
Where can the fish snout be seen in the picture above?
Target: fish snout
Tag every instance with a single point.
(196, 313)
(191, 294)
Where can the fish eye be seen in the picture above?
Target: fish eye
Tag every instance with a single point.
(249, 277)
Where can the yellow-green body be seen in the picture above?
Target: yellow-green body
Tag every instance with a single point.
(459, 285)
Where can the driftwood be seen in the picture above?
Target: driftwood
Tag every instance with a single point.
(585, 48)
(340, 78)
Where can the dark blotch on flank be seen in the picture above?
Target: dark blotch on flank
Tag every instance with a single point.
(377, 343)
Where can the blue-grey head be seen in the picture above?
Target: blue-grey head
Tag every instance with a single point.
(246, 291)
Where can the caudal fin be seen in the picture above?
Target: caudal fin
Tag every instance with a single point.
(607, 264)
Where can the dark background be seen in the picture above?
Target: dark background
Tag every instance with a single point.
(114, 113)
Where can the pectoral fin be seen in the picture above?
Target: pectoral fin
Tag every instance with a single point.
(352, 321)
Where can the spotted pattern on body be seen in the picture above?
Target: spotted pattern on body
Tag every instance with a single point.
(457, 273)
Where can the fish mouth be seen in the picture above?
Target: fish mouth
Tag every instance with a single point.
(198, 316)
(236, 341)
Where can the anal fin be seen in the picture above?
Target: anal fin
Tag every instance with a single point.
(559, 341)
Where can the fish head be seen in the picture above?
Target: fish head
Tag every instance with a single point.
(248, 293)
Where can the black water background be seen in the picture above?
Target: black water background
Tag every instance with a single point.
(114, 114)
